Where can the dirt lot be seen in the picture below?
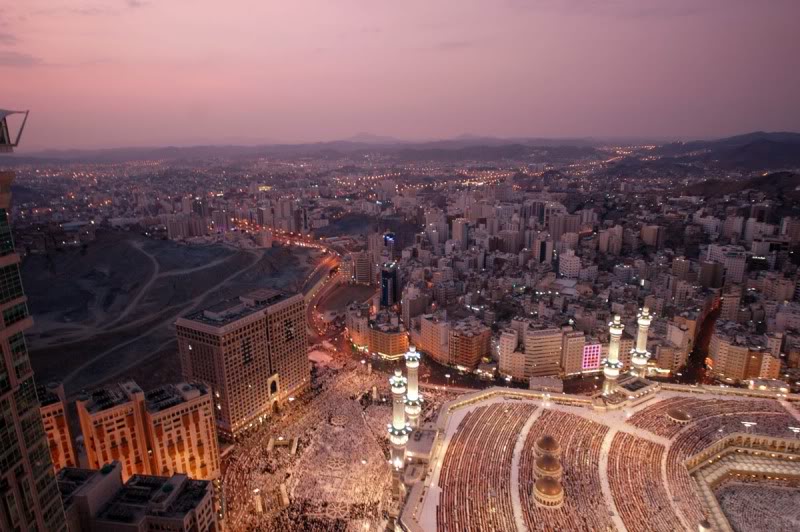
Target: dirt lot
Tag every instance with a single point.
(107, 313)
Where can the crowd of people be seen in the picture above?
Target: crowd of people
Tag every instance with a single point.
(340, 472)
(699, 435)
(584, 507)
(752, 504)
(655, 418)
(634, 474)
(475, 478)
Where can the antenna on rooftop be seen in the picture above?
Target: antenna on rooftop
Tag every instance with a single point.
(7, 144)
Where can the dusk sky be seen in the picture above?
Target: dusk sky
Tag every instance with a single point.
(102, 73)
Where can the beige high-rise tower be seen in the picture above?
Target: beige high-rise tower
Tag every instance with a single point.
(253, 353)
(28, 489)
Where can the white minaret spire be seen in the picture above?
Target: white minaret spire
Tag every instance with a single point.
(413, 397)
(612, 365)
(639, 354)
(398, 428)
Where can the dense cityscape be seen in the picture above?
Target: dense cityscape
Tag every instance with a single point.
(598, 331)
(452, 266)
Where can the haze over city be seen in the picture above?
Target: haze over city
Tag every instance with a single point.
(111, 73)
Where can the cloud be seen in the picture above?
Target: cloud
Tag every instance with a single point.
(137, 3)
(7, 38)
(16, 59)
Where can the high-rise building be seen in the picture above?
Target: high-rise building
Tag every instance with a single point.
(711, 274)
(162, 432)
(362, 268)
(53, 407)
(390, 284)
(434, 337)
(356, 321)
(461, 232)
(542, 248)
(388, 337)
(653, 235)
(569, 265)
(252, 351)
(28, 491)
(542, 351)
(98, 500)
(572, 347)
(681, 267)
(468, 343)
(415, 301)
(737, 355)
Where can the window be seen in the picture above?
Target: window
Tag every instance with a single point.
(6, 241)
(15, 314)
(10, 283)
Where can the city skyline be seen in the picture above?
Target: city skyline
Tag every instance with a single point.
(505, 265)
(135, 73)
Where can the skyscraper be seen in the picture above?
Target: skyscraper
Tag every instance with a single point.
(251, 350)
(390, 290)
(29, 498)
(461, 232)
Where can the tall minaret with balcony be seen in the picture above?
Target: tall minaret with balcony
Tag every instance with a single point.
(413, 397)
(612, 364)
(398, 428)
(639, 354)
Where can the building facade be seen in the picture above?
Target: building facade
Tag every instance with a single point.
(53, 409)
(28, 491)
(252, 352)
(165, 431)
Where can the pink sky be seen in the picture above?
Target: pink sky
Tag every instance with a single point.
(101, 73)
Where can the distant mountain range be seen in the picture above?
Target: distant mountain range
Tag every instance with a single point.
(752, 151)
(749, 152)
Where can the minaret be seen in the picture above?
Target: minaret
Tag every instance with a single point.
(612, 365)
(639, 354)
(398, 428)
(413, 397)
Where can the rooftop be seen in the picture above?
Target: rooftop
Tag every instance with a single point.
(234, 309)
(109, 397)
(171, 395)
(146, 495)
